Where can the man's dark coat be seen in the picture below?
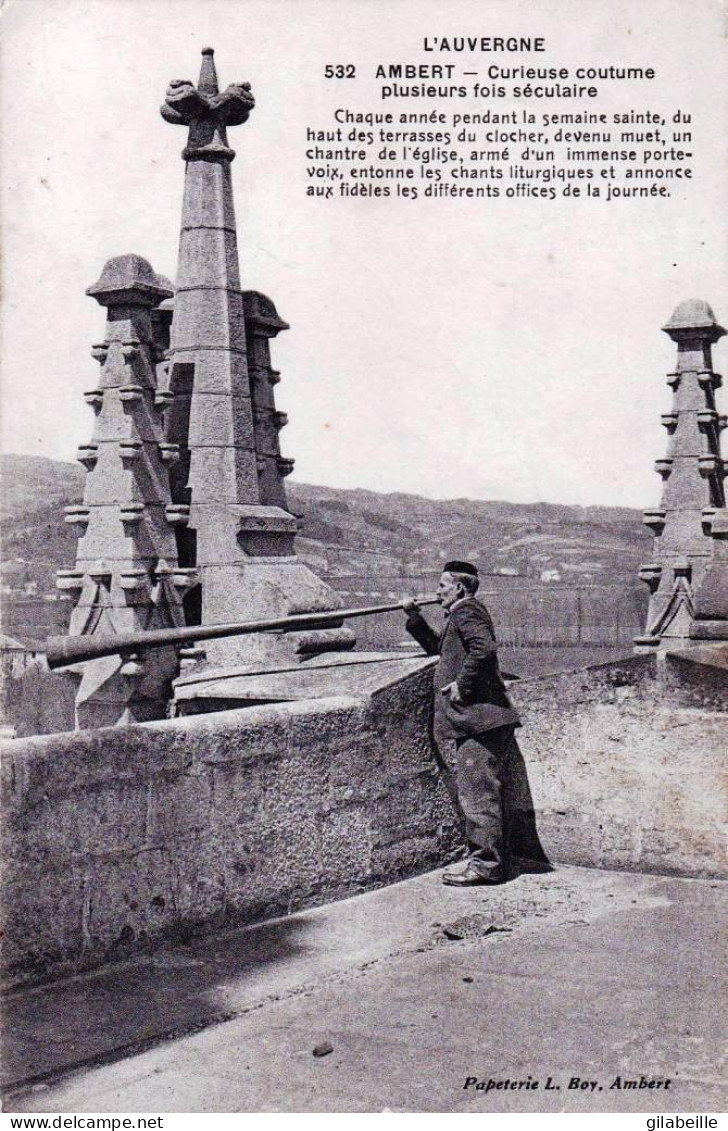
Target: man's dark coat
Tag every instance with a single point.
(467, 649)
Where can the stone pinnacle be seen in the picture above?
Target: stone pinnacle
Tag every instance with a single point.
(206, 111)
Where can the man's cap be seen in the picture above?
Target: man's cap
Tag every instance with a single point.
(460, 567)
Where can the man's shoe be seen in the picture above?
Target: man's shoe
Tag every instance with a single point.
(469, 878)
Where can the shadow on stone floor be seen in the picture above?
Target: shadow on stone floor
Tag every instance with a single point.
(124, 1007)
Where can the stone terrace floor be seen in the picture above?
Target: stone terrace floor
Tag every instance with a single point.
(417, 987)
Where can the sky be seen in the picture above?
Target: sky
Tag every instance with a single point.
(450, 348)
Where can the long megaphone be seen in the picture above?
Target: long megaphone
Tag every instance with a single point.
(64, 650)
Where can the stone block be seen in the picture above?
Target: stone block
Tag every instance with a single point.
(329, 730)
(216, 525)
(410, 750)
(267, 427)
(683, 532)
(71, 765)
(237, 795)
(570, 837)
(216, 371)
(199, 877)
(695, 683)
(293, 782)
(666, 854)
(210, 319)
(272, 489)
(208, 196)
(618, 761)
(179, 805)
(109, 536)
(409, 809)
(43, 913)
(403, 711)
(621, 845)
(131, 897)
(407, 856)
(209, 257)
(276, 861)
(225, 475)
(112, 484)
(243, 742)
(124, 418)
(221, 420)
(346, 845)
(58, 829)
(351, 776)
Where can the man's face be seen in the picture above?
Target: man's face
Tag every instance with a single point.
(449, 590)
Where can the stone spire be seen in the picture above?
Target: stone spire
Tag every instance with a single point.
(213, 423)
(690, 523)
(126, 576)
(223, 415)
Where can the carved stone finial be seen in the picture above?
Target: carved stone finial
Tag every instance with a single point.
(693, 318)
(207, 112)
(130, 279)
(261, 315)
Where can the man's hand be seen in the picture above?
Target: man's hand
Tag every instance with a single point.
(453, 690)
(410, 606)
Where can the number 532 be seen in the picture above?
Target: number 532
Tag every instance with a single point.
(339, 71)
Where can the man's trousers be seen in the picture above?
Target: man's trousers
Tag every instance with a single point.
(483, 765)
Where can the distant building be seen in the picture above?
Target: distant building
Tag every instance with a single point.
(15, 657)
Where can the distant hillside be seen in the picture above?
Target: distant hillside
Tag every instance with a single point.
(587, 543)
(343, 533)
(35, 542)
(30, 483)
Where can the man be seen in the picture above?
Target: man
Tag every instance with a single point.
(473, 715)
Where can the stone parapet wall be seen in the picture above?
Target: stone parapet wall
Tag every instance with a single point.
(116, 837)
(626, 763)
